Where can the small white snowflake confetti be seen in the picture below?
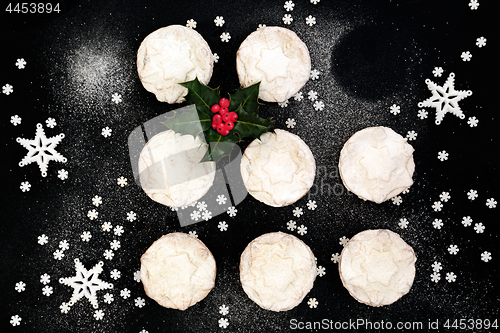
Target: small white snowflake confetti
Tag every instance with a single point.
(62, 174)
(411, 135)
(125, 293)
(479, 228)
(437, 223)
(65, 308)
(445, 196)
(115, 274)
(7, 89)
(313, 303)
(298, 96)
(472, 195)
(116, 98)
(219, 21)
(438, 71)
(435, 277)
(195, 215)
(64, 245)
(131, 216)
(291, 225)
(58, 254)
(191, 24)
(193, 233)
(96, 201)
(139, 302)
(395, 109)
(335, 258)
(437, 266)
(283, 104)
(92, 214)
(106, 226)
(319, 105)
(287, 19)
(466, 56)
(115, 244)
(422, 114)
(314, 74)
(472, 121)
(224, 310)
(225, 37)
(43, 239)
(486, 256)
(221, 199)
(473, 4)
(231, 211)
(437, 206)
(25, 186)
(47, 290)
(98, 314)
(15, 320)
(491, 203)
(320, 271)
(108, 254)
(290, 123)
(206, 215)
(106, 132)
(223, 323)
(315, 2)
(298, 212)
(45, 278)
(122, 181)
(403, 223)
(289, 6)
(310, 20)
(443, 155)
(86, 236)
(397, 200)
(15, 120)
(453, 249)
(137, 276)
(215, 57)
(480, 42)
(343, 240)
(108, 298)
(451, 277)
(118, 230)
(302, 230)
(312, 95)
(222, 226)
(50, 123)
(20, 286)
(201, 206)
(21, 63)
(311, 205)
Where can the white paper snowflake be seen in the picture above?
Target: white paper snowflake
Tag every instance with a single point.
(335, 257)
(311, 205)
(438, 71)
(395, 109)
(437, 223)
(15, 120)
(225, 37)
(191, 24)
(437, 266)
(443, 155)
(108, 298)
(195, 215)
(122, 181)
(20, 286)
(486, 256)
(312, 95)
(481, 42)
(224, 310)
(223, 323)
(397, 200)
(302, 230)
(319, 105)
(131, 216)
(466, 221)
(231, 211)
(343, 240)
(50, 123)
(206, 215)
(403, 223)
(472, 195)
(25, 186)
(86, 236)
(289, 5)
(472, 121)
(106, 226)
(290, 123)
(62, 174)
(92, 214)
(116, 98)
(314, 74)
(21, 63)
(219, 21)
(298, 212)
(437, 206)
(7, 89)
(291, 225)
(310, 20)
(118, 230)
(221, 199)
(45, 278)
(320, 271)
(445, 98)
(298, 96)
(453, 249)
(125, 293)
(139, 302)
(15, 320)
(43, 239)
(106, 132)
(85, 283)
(422, 114)
(451, 277)
(491, 203)
(435, 277)
(47, 290)
(41, 150)
(466, 56)
(313, 303)
(474, 4)
(283, 104)
(98, 314)
(479, 228)
(287, 19)
(222, 226)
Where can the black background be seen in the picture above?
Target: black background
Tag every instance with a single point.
(371, 55)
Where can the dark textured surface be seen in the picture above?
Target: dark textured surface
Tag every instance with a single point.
(371, 55)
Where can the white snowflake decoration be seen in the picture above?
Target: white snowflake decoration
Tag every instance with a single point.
(466, 56)
(41, 150)
(290, 123)
(85, 283)
(313, 303)
(15, 120)
(219, 21)
(225, 37)
(289, 6)
(21, 63)
(191, 24)
(480, 42)
(445, 99)
(310, 20)
(287, 19)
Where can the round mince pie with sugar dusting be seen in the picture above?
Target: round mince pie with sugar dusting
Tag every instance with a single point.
(376, 164)
(377, 267)
(171, 55)
(277, 270)
(178, 271)
(277, 58)
(170, 171)
(278, 169)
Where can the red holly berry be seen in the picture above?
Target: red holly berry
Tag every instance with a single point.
(233, 116)
(215, 108)
(221, 127)
(229, 125)
(224, 102)
(226, 116)
(217, 118)
(223, 111)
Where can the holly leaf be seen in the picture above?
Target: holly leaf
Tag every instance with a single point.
(218, 145)
(247, 98)
(201, 95)
(251, 124)
(189, 120)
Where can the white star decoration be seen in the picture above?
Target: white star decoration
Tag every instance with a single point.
(273, 63)
(41, 150)
(85, 283)
(445, 99)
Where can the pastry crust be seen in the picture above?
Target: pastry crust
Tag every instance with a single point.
(377, 267)
(277, 270)
(171, 55)
(376, 164)
(278, 59)
(178, 271)
(278, 169)
(170, 171)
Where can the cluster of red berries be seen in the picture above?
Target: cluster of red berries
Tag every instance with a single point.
(224, 120)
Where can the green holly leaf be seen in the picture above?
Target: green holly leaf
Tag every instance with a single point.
(189, 120)
(247, 98)
(250, 124)
(201, 95)
(219, 146)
